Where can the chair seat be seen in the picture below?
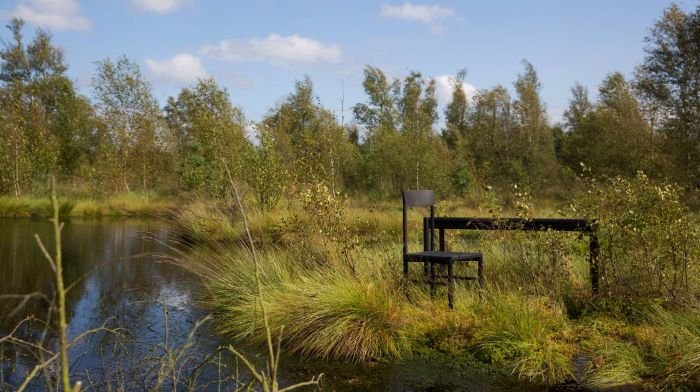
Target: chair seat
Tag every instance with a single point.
(436, 256)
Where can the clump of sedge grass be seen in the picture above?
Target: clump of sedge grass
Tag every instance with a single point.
(29, 207)
(527, 335)
(616, 363)
(325, 313)
(676, 350)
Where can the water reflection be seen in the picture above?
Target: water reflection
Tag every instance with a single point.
(116, 280)
(119, 281)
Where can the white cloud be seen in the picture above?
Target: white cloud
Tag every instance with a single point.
(276, 49)
(159, 6)
(422, 13)
(444, 85)
(52, 14)
(182, 68)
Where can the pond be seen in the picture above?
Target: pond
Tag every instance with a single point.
(153, 310)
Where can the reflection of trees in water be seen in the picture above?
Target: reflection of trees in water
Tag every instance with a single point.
(107, 258)
(116, 279)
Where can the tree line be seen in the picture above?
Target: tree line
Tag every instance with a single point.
(120, 139)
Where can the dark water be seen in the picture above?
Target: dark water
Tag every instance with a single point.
(154, 308)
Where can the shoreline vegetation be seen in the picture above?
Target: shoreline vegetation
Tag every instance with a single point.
(329, 269)
(322, 219)
(120, 205)
(331, 276)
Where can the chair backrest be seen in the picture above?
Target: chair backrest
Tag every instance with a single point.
(422, 198)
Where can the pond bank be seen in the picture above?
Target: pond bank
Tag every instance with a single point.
(127, 204)
(120, 281)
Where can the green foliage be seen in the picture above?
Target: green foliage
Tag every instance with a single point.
(356, 302)
(195, 170)
(669, 82)
(456, 113)
(125, 102)
(306, 138)
(323, 312)
(207, 131)
(131, 204)
(646, 236)
(656, 347)
(265, 174)
(43, 119)
(401, 144)
(616, 364)
(205, 221)
(462, 178)
(610, 137)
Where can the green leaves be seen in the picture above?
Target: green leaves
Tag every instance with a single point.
(669, 82)
(646, 236)
(206, 129)
(131, 117)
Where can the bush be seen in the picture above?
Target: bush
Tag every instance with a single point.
(649, 246)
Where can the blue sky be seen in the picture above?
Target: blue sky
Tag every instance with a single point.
(257, 49)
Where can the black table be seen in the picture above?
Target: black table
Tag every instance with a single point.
(588, 227)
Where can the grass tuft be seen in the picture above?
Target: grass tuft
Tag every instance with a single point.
(528, 335)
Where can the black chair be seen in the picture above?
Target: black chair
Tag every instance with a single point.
(430, 257)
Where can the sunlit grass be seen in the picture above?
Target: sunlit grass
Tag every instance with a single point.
(29, 207)
(529, 335)
(128, 204)
(535, 319)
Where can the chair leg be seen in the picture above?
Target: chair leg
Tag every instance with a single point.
(432, 279)
(450, 284)
(426, 271)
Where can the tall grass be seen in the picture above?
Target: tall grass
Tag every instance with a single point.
(528, 335)
(128, 204)
(325, 313)
(676, 351)
(28, 207)
(336, 290)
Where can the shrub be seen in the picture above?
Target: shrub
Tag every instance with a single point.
(649, 246)
(264, 173)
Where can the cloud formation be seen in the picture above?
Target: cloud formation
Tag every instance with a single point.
(159, 6)
(444, 85)
(52, 14)
(182, 68)
(276, 49)
(422, 13)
